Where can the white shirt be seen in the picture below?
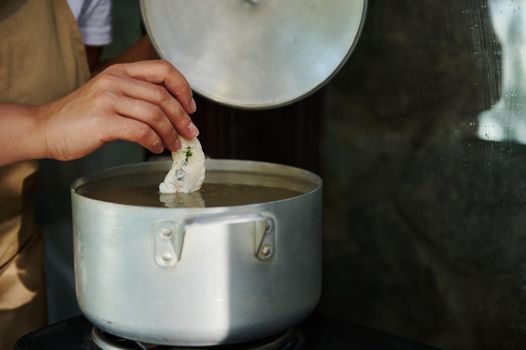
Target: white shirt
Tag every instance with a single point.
(94, 20)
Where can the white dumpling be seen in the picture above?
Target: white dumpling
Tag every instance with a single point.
(188, 168)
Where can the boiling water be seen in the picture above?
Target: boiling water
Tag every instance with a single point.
(144, 191)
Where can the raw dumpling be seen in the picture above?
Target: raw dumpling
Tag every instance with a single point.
(188, 168)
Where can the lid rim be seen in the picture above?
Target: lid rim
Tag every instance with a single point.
(278, 102)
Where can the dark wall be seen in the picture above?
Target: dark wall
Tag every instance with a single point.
(288, 135)
(424, 221)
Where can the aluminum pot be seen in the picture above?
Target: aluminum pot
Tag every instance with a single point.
(199, 276)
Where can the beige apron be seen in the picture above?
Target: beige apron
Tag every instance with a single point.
(42, 58)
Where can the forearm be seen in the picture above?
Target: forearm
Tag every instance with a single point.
(145, 102)
(141, 50)
(22, 137)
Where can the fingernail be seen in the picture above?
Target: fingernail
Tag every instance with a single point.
(193, 106)
(177, 144)
(193, 130)
(158, 147)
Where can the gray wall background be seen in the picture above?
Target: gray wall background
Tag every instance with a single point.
(425, 222)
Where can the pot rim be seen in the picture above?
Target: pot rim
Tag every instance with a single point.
(216, 164)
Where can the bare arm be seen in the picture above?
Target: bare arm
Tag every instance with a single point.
(141, 50)
(145, 102)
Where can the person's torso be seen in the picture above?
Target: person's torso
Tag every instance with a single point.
(42, 58)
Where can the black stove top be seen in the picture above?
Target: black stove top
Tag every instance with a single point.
(316, 333)
(289, 340)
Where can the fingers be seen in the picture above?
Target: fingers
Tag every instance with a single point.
(127, 129)
(152, 115)
(162, 72)
(159, 96)
(146, 102)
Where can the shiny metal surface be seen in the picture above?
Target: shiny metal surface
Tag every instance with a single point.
(241, 272)
(255, 54)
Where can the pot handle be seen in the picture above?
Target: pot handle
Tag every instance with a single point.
(168, 243)
(169, 236)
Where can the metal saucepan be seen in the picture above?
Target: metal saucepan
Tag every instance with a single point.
(199, 276)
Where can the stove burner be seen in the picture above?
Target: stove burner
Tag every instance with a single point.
(290, 340)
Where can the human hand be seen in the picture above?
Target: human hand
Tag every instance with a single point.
(145, 102)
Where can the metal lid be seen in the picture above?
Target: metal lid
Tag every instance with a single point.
(255, 53)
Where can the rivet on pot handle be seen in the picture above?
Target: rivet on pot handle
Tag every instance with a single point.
(168, 243)
(265, 242)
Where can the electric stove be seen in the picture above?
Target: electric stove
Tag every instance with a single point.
(316, 333)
